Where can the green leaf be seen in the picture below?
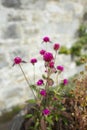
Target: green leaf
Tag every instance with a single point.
(31, 101)
(28, 116)
(65, 121)
(36, 124)
(33, 87)
(49, 119)
(63, 109)
(48, 128)
(57, 118)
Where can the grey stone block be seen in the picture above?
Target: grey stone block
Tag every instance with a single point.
(12, 32)
(11, 3)
(3, 62)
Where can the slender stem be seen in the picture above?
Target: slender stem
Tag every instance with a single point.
(46, 46)
(27, 80)
(55, 57)
(48, 76)
(34, 74)
(57, 79)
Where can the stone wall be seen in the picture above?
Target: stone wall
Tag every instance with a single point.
(23, 23)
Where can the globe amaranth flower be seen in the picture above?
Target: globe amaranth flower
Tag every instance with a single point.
(33, 61)
(65, 81)
(46, 39)
(17, 60)
(43, 92)
(56, 46)
(42, 52)
(60, 68)
(48, 57)
(51, 64)
(40, 82)
(55, 98)
(46, 112)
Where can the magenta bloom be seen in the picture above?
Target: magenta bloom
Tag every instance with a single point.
(61, 68)
(43, 92)
(46, 112)
(17, 60)
(46, 39)
(33, 61)
(48, 56)
(40, 82)
(51, 64)
(42, 52)
(65, 81)
(55, 98)
(56, 46)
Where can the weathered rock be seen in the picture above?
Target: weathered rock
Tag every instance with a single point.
(16, 17)
(3, 62)
(12, 32)
(85, 16)
(2, 103)
(11, 3)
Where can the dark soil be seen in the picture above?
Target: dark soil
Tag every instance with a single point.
(5, 126)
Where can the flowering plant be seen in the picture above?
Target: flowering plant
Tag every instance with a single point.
(47, 91)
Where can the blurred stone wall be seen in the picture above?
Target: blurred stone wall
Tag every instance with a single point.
(23, 23)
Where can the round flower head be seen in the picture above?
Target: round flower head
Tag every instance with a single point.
(56, 46)
(40, 82)
(42, 52)
(51, 64)
(60, 68)
(65, 81)
(55, 98)
(46, 112)
(48, 56)
(46, 39)
(33, 61)
(17, 60)
(43, 92)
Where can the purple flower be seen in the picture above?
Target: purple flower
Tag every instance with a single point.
(43, 92)
(51, 64)
(46, 111)
(61, 68)
(40, 82)
(56, 46)
(17, 60)
(42, 52)
(55, 98)
(33, 61)
(65, 81)
(48, 56)
(46, 39)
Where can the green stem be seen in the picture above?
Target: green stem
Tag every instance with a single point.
(27, 80)
(57, 79)
(48, 76)
(34, 74)
(46, 46)
(55, 57)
